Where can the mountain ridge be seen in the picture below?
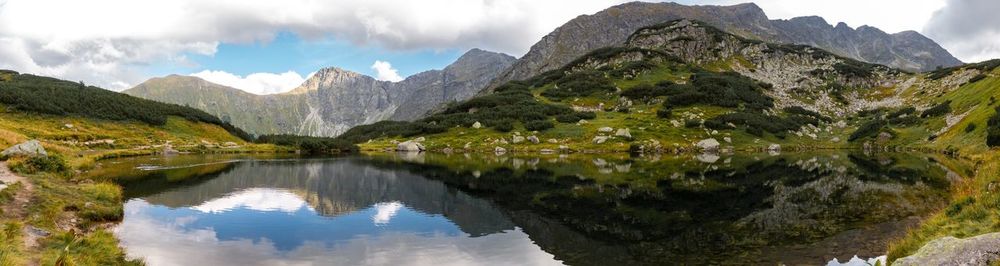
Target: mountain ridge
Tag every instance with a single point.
(333, 99)
(611, 26)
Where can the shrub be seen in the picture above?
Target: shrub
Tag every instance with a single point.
(772, 124)
(575, 117)
(310, 145)
(937, 110)
(976, 78)
(580, 84)
(692, 123)
(664, 113)
(867, 129)
(538, 125)
(797, 110)
(505, 125)
(993, 129)
(38, 164)
(970, 127)
(728, 89)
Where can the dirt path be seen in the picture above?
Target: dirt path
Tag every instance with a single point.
(17, 209)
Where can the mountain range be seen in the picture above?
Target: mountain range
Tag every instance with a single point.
(332, 100)
(335, 100)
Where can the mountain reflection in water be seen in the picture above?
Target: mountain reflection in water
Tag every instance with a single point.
(419, 209)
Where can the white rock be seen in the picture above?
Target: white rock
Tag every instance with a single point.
(517, 139)
(27, 148)
(599, 139)
(477, 125)
(605, 130)
(533, 139)
(623, 132)
(410, 146)
(708, 144)
(727, 139)
(499, 150)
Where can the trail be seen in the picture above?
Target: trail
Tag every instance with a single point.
(17, 209)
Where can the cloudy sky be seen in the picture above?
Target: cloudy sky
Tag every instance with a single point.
(272, 46)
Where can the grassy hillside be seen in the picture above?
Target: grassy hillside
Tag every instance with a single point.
(79, 125)
(45, 95)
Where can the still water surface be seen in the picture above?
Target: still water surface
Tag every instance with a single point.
(430, 209)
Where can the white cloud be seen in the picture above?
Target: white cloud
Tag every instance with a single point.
(257, 83)
(384, 212)
(968, 28)
(110, 42)
(145, 234)
(258, 199)
(384, 71)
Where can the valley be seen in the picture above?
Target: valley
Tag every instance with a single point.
(645, 133)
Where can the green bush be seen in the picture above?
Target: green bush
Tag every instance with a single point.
(579, 84)
(772, 124)
(993, 129)
(970, 127)
(38, 164)
(867, 129)
(664, 113)
(728, 89)
(575, 117)
(937, 110)
(505, 125)
(310, 145)
(538, 125)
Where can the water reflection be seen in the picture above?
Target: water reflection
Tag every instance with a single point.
(419, 209)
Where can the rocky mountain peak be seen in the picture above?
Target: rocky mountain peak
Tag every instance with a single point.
(612, 26)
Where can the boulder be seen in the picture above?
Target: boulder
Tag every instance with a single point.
(774, 147)
(169, 149)
(978, 250)
(410, 146)
(420, 139)
(727, 139)
(624, 133)
(468, 145)
(883, 137)
(477, 125)
(709, 145)
(499, 150)
(517, 139)
(599, 139)
(563, 148)
(533, 139)
(27, 148)
(553, 141)
(605, 130)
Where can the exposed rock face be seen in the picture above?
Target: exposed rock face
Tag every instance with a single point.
(333, 100)
(611, 27)
(27, 148)
(977, 250)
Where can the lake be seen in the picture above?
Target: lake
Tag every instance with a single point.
(519, 209)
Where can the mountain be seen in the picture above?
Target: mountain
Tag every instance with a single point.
(905, 50)
(685, 85)
(333, 100)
